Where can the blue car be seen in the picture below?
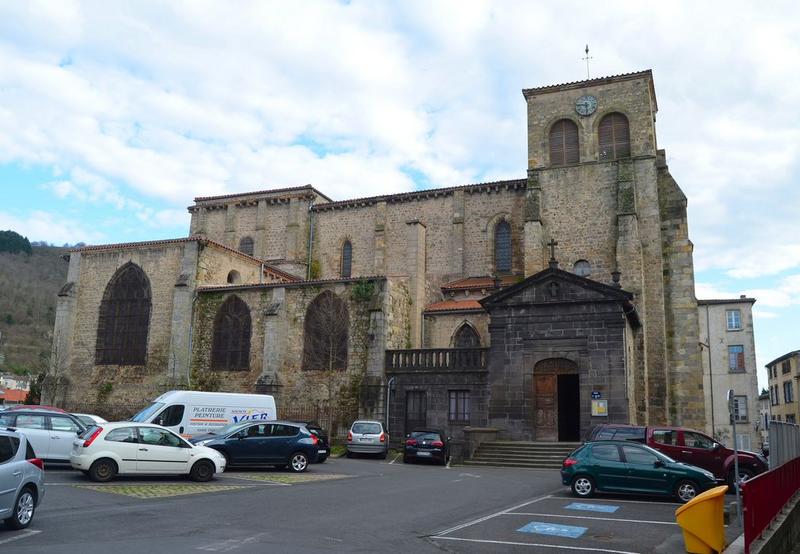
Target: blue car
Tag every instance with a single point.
(263, 443)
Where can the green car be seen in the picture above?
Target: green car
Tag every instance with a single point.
(623, 466)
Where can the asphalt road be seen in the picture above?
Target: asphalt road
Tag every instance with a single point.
(360, 505)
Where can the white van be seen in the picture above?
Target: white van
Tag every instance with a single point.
(190, 413)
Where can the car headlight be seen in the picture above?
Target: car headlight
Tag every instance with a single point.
(203, 443)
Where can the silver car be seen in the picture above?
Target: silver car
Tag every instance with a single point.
(21, 480)
(367, 437)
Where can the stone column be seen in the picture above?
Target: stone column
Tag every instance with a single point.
(379, 245)
(457, 235)
(415, 262)
(66, 315)
(179, 362)
(260, 240)
(275, 337)
(533, 238)
(230, 226)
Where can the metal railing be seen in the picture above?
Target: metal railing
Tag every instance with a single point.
(784, 442)
(765, 495)
(437, 359)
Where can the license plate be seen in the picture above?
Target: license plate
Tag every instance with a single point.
(423, 453)
(322, 452)
(365, 440)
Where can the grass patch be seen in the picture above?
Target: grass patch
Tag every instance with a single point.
(338, 450)
(287, 478)
(160, 491)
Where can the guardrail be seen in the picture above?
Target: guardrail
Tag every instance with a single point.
(765, 495)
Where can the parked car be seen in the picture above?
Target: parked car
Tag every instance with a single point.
(628, 467)
(35, 407)
(50, 433)
(272, 443)
(21, 480)
(324, 446)
(427, 444)
(90, 419)
(689, 446)
(367, 437)
(127, 448)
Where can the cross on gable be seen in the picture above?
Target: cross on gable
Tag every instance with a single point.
(552, 244)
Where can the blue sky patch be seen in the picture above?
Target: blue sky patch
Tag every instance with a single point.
(553, 529)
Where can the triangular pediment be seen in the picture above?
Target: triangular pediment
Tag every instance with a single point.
(555, 285)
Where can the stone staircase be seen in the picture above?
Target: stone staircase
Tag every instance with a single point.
(534, 455)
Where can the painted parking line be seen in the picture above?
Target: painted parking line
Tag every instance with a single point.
(604, 508)
(595, 518)
(21, 535)
(553, 529)
(615, 500)
(488, 517)
(538, 545)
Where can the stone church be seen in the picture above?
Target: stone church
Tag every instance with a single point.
(537, 306)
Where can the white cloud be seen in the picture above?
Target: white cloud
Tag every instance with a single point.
(49, 227)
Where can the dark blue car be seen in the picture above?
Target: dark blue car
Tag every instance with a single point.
(264, 443)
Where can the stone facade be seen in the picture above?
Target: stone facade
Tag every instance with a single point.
(725, 327)
(783, 373)
(429, 258)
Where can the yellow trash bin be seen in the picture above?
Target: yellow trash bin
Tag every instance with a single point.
(702, 522)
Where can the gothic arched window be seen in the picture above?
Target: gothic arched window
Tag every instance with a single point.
(231, 346)
(564, 143)
(325, 331)
(502, 247)
(124, 318)
(582, 268)
(246, 246)
(614, 137)
(466, 337)
(347, 259)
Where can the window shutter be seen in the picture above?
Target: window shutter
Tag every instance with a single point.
(564, 143)
(614, 137)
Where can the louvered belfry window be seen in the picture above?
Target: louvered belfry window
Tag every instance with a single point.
(246, 246)
(124, 318)
(564, 143)
(502, 247)
(231, 347)
(347, 259)
(614, 137)
(325, 333)
(466, 337)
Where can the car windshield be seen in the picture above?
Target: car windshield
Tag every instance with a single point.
(425, 436)
(367, 428)
(147, 413)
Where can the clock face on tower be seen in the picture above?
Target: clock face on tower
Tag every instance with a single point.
(586, 105)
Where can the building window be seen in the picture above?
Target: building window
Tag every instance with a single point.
(459, 407)
(564, 143)
(502, 247)
(786, 367)
(326, 330)
(740, 408)
(124, 318)
(614, 137)
(416, 410)
(734, 319)
(788, 392)
(736, 358)
(582, 268)
(347, 259)
(231, 346)
(743, 442)
(234, 277)
(246, 246)
(790, 418)
(466, 337)
(773, 393)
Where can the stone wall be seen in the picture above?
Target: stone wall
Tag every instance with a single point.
(440, 328)
(215, 264)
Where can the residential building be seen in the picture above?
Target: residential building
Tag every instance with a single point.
(783, 378)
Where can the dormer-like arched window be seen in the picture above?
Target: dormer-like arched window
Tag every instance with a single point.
(246, 246)
(564, 143)
(614, 137)
(466, 337)
(502, 247)
(347, 259)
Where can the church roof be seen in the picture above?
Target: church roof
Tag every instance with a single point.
(479, 283)
(260, 192)
(293, 284)
(742, 299)
(454, 306)
(647, 73)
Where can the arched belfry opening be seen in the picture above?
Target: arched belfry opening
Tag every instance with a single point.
(556, 391)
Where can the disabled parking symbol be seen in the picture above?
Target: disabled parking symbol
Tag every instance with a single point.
(553, 529)
(603, 508)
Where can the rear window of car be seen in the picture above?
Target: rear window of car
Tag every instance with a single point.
(88, 433)
(29, 452)
(665, 436)
(425, 436)
(280, 430)
(123, 434)
(608, 452)
(63, 423)
(367, 428)
(8, 448)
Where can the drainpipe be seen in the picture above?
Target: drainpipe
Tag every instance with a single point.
(389, 386)
(310, 238)
(261, 275)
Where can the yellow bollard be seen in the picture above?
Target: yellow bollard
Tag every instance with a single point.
(702, 522)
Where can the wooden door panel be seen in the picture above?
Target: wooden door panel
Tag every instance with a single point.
(546, 408)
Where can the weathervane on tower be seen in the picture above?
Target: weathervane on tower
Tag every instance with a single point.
(587, 58)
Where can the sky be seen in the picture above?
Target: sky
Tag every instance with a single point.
(115, 115)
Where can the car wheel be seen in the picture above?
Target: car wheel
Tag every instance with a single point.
(686, 490)
(202, 470)
(298, 462)
(744, 475)
(103, 470)
(24, 508)
(583, 486)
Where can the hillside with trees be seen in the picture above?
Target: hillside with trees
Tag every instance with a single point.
(30, 277)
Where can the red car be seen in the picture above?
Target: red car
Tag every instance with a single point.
(688, 446)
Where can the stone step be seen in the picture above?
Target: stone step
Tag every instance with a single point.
(480, 455)
(505, 448)
(536, 443)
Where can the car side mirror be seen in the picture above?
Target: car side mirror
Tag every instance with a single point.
(158, 421)
(716, 446)
(658, 463)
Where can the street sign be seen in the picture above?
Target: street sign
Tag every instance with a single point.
(595, 394)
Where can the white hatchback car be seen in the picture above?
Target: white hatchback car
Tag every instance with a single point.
(127, 448)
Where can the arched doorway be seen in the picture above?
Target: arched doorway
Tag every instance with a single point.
(556, 400)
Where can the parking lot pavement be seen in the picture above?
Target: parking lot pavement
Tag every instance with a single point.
(561, 523)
